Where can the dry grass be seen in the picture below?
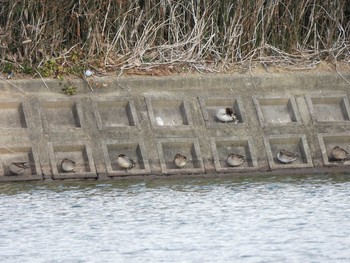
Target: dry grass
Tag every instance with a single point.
(205, 35)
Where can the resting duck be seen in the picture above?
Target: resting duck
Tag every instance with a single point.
(285, 156)
(180, 160)
(234, 159)
(18, 168)
(68, 165)
(339, 154)
(226, 115)
(125, 162)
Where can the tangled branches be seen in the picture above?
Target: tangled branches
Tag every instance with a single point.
(206, 34)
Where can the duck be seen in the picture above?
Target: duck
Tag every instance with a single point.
(180, 160)
(18, 168)
(285, 156)
(125, 162)
(226, 115)
(234, 159)
(339, 154)
(68, 165)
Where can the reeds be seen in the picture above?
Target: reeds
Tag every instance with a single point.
(206, 34)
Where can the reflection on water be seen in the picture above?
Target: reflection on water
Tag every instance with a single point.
(243, 219)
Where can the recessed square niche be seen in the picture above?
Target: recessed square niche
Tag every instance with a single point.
(115, 113)
(296, 144)
(133, 150)
(169, 113)
(329, 108)
(60, 115)
(19, 154)
(78, 152)
(12, 115)
(222, 147)
(210, 107)
(327, 144)
(168, 148)
(276, 110)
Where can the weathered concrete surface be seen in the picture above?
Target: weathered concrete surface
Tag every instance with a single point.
(151, 119)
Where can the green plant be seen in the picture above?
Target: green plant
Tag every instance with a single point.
(8, 67)
(70, 90)
(49, 68)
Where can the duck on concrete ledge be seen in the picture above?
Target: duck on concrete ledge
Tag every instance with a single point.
(339, 154)
(234, 159)
(180, 160)
(285, 156)
(18, 168)
(68, 165)
(226, 115)
(125, 162)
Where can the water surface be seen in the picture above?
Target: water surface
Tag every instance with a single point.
(253, 219)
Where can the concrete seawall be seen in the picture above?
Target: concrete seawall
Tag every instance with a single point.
(151, 119)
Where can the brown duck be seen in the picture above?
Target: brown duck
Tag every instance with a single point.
(68, 165)
(125, 162)
(234, 159)
(339, 154)
(18, 168)
(285, 156)
(180, 160)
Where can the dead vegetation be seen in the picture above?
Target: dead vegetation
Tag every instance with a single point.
(57, 38)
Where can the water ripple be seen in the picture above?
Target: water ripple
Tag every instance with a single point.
(290, 219)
